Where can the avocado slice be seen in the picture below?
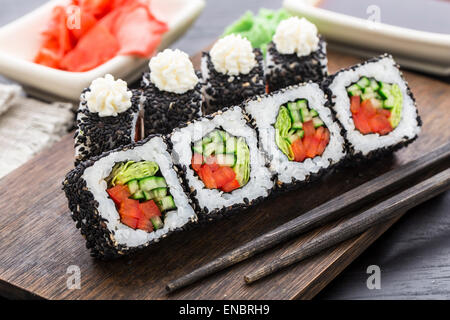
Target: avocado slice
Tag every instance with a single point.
(242, 167)
(396, 111)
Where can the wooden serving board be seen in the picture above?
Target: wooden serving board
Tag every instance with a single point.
(39, 241)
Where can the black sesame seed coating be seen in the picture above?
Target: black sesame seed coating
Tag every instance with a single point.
(221, 91)
(96, 134)
(204, 214)
(164, 111)
(280, 187)
(354, 157)
(289, 69)
(84, 211)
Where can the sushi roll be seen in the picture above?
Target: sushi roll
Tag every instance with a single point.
(375, 106)
(232, 72)
(127, 198)
(296, 54)
(106, 118)
(172, 92)
(298, 132)
(219, 159)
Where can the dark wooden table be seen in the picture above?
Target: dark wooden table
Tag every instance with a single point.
(414, 255)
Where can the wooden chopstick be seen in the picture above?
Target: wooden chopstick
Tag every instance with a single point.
(382, 212)
(329, 211)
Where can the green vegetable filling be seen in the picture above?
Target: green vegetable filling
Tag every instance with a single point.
(383, 95)
(145, 182)
(289, 125)
(228, 151)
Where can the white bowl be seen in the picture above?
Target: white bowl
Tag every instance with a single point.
(419, 50)
(20, 40)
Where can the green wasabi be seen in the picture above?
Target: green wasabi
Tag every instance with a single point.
(259, 29)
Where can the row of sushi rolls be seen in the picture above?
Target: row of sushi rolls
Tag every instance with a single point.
(190, 146)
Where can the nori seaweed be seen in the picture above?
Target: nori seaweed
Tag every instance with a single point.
(355, 157)
(83, 206)
(289, 69)
(164, 111)
(280, 187)
(204, 214)
(222, 91)
(95, 134)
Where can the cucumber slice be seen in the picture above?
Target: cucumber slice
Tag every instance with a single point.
(306, 116)
(374, 85)
(166, 203)
(158, 193)
(363, 82)
(227, 160)
(389, 103)
(206, 140)
(198, 147)
(230, 145)
(150, 183)
(317, 122)
(303, 103)
(313, 113)
(157, 222)
(354, 90)
(385, 90)
(133, 186)
(223, 134)
(367, 96)
(368, 90)
(297, 125)
(294, 112)
(294, 137)
(138, 195)
(217, 148)
(301, 133)
(216, 136)
(147, 195)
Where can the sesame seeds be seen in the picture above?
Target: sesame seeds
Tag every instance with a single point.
(289, 69)
(223, 91)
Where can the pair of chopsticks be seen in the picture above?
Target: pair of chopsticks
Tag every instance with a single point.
(333, 210)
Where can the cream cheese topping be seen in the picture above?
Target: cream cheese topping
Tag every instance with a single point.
(172, 71)
(108, 97)
(233, 55)
(296, 35)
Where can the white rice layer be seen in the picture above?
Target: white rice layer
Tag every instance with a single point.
(382, 70)
(154, 150)
(233, 122)
(264, 111)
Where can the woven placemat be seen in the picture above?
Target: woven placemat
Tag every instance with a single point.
(27, 126)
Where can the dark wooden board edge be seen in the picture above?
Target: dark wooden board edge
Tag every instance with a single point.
(356, 247)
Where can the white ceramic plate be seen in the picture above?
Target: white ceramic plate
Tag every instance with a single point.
(423, 51)
(19, 43)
